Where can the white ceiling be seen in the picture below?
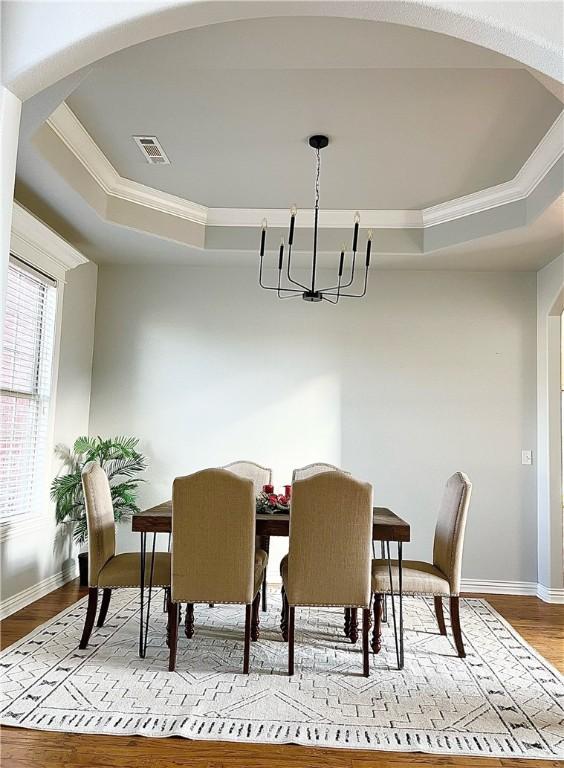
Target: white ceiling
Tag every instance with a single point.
(414, 118)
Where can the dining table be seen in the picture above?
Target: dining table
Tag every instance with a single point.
(387, 528)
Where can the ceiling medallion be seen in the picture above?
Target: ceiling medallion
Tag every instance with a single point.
(313, 292)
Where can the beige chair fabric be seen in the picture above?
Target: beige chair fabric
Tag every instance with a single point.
(260, 476)
(310, 470)
(442, 577)
(213, 539)
(418, 578)
(124, 571)
(105, 568)
(330, 536)
(99, 518)
(451, 525)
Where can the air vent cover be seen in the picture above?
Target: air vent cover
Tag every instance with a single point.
(151, 150)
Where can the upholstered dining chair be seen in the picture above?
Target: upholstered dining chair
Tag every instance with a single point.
(439, 579)
(329, 554)
(302, 473)
(106, 570)
(260, 476)
(213, 551)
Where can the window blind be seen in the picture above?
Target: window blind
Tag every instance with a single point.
(25, 390)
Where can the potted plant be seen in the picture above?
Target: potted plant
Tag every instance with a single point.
(123, 464)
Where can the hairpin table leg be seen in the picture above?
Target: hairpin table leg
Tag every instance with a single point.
(141, 590)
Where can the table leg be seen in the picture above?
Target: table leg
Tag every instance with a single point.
(400, 579)
(141, 589)
(384, 596)
(393, 604)
(151, 573)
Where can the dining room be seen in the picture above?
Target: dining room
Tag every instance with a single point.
(281, 401)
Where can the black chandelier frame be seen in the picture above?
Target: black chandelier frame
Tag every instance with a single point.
(312, 293)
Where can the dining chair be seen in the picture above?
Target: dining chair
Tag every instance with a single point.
(329, 555)
(302, 473)
(438, 579)
(260, 476)
(106, 570)
(213, 551)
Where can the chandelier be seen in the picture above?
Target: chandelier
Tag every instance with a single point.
(311, 292)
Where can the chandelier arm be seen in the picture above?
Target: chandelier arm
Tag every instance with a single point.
(295, 282)
(356, 295)
(274, 287)
(342, 285)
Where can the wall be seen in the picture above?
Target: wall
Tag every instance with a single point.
(550, 305)
(433, 372)
(35, 563)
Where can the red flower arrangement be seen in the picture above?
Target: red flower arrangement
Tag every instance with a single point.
(269, 502)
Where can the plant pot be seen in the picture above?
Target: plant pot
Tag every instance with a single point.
(83, 569)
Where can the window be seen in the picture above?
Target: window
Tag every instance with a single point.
(25, 390)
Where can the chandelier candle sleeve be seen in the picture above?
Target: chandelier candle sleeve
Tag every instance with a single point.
(293, 212)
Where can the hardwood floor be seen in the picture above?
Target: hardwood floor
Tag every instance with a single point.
(539, 623)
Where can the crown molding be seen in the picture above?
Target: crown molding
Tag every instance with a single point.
(38, 245)
(72, 133)
(547, 152)
(76, 138)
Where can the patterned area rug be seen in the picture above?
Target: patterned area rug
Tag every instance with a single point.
(503, 700)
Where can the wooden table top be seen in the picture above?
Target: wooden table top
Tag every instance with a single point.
(387, 525)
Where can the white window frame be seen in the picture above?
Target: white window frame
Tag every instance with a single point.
(33, 243)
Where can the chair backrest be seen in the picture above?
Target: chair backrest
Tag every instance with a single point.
(314, 469)
(329, 558)
(260, 476)
(213, 538)
(451, 524)
(99, 518)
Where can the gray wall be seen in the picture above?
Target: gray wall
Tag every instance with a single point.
(33, 557)
(433, 372)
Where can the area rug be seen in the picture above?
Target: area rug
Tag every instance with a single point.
(503, 700)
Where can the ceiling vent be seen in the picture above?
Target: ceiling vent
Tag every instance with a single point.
(151, 150)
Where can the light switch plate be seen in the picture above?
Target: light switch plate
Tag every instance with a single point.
(526, 457)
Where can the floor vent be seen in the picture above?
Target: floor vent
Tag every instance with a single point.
(151, 150)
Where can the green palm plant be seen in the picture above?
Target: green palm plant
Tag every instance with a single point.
(121, 461)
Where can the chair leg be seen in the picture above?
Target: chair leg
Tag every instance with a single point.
(377, 628)
(173, 634)
(291, 623)
(255, 618)
(284, 616)
(353, 634)
(347, 622)
(90, 616)
(365, 643)
(106, 595)
(189, 621)
(455, 624)
(247, 650)
(440, 615)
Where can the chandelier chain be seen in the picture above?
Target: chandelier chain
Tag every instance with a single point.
(317, 178)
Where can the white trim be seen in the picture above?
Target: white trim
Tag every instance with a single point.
(494, 587)
(33, 593)
(41, 247)
(547, 152)
(513, 588)
(77, 139)
(499, 587)
(550, 595)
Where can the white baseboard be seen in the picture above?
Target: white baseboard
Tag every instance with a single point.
(476, 586)
(499, 587)
(42, 588)
(550, 595)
